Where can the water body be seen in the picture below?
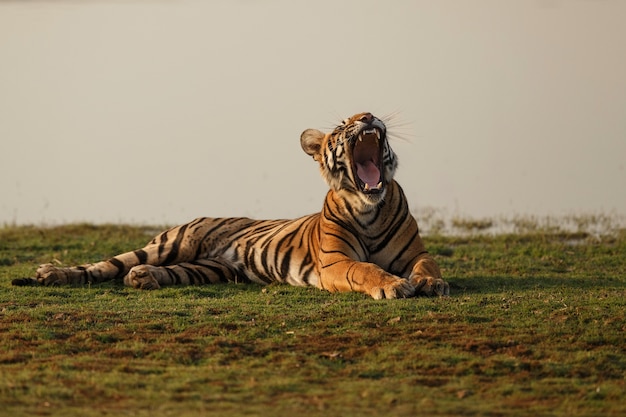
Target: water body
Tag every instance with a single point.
(158, 112)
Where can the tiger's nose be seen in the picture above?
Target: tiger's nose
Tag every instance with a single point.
(366, 118)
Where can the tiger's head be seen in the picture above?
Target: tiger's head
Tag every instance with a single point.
(355, 158)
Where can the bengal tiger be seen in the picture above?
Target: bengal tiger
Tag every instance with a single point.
(364, 239)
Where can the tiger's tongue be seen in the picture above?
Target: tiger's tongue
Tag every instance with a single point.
(368, 173)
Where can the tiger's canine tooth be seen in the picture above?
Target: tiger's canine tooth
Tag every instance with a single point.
(366, 187)
(379, 185)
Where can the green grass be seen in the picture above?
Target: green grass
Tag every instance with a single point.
(534, 325)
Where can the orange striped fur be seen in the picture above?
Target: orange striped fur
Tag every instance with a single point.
(364, 239)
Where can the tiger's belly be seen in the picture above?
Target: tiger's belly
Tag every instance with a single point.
(266, 264)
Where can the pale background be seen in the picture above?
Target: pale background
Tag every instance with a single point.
(160, 111)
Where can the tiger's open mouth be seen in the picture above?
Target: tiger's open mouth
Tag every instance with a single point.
(367, 161)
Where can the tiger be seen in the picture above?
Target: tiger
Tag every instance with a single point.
(364, 239)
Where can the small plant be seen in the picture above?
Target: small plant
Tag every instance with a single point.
(466, 225)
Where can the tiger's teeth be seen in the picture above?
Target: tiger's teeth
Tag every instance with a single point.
(369, 132)
(366, 186)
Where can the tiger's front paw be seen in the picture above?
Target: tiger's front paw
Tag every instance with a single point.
(48, 274)
(393, 288)
(141, 277)
(430, 286)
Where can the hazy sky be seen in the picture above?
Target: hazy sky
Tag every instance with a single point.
(161, 111)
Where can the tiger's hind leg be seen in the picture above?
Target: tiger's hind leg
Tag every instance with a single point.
(178, 244)
(198, 272)
(49, 274)
(113, 268)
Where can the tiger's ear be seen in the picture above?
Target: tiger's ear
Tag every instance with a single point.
(311, 142)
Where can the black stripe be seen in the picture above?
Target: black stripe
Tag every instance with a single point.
(121, 268)
(373, 215)
(391, 232)
(173, 253)
(215, 267)
(196, 276)
(241, 276)
(349, 278)
(401, 252)
(173, 276)
(196, 222)
(275, 228)
(398, 217)
(220, 223)
(84, 275)
(336, 219)
(219, 272)
(284, 266)
(264, 260)
(363, 248)
(251, 264)
(306, 265)
(162, 242)
(409, 266)
(335, 263)
(142, 256)
(305, 274)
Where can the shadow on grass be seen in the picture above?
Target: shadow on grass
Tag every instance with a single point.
(459, 286)
(488, 285)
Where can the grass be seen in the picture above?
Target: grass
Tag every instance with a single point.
(534, 325)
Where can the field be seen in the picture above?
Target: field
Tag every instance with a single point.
(534, 325)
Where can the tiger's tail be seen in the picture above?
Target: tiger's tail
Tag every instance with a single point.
(25, 282)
